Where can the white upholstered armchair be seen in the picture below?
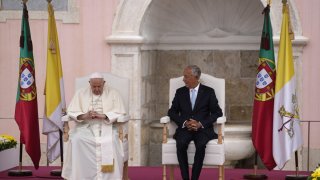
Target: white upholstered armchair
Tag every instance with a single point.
(215, 154)
(122, 86)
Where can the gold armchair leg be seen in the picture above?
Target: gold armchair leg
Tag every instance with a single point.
(171, 172)
(164, 173)
(125, 171)
(221, 172)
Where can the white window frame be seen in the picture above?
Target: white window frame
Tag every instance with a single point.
(69, 16)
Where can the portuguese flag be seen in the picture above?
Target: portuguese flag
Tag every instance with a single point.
(262, 119)
(26, 112)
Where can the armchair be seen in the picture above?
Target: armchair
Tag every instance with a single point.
(215, 153)
(122, 86)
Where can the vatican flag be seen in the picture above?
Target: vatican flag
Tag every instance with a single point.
(287, 136)
(54, 91)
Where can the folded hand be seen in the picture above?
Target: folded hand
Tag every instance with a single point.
(90, 115)
(193, 125)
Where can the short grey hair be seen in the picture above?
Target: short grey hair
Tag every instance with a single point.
(196, 71)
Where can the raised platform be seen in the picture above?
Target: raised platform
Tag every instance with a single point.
(155, 173)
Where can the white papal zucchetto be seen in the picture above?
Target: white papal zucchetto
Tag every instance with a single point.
(96, 75)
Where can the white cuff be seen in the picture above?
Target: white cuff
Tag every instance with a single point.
(201, 124)
(183, 126)
(74, 115)
(112, 116)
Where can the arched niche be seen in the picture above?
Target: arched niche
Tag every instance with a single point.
(183, 25)
(131, 16)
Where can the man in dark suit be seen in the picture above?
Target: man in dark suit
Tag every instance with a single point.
(194, 109)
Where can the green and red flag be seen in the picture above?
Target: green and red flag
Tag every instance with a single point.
(26, 112)
(262, 119)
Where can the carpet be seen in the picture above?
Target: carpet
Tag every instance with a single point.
(155, 173)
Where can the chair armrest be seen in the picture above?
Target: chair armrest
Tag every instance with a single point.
(122, 123)
(65, 118)
(165, 120)
(221, 120)
(124, 118)
(220, 128)
(65, 128)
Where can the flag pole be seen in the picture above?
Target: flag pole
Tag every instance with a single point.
(296, 176)
(57, 172)
(255, 168)
(20, 171)
(53, 52)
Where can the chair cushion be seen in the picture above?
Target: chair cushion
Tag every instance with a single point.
(214, 153)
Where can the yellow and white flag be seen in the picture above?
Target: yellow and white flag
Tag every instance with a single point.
(55, 105)
(287, 136)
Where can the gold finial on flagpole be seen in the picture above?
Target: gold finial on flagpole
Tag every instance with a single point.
(269, 2)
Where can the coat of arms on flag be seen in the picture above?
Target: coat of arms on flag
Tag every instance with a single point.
(265, 82)
(288, 117)
(27, 86)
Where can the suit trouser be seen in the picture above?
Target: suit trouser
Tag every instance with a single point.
(183, 139)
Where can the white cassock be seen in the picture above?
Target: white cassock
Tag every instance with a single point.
(93, 146)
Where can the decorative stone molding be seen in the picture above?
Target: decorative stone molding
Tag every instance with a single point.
(149, 26)
(70, 16)
(129, 17)
(124, 39)
(228, 43)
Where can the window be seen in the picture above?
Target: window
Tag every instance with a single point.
(65, 10)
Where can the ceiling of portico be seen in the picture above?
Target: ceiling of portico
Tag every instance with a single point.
(199, 20)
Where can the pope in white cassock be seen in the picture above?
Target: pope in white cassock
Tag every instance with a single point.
(94, 150)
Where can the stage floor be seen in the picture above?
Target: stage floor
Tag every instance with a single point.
(155, 173)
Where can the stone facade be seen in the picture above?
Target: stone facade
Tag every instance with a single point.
(237, 67)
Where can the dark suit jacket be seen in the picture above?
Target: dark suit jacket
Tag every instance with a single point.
(206, 109)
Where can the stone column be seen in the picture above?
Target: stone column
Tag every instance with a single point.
(125, 62)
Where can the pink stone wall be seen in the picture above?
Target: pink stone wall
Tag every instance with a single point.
(309, 16)
(82, 46)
